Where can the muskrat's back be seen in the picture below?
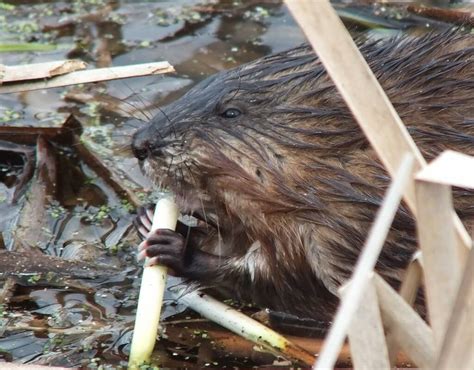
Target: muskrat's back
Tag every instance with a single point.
(269, 155)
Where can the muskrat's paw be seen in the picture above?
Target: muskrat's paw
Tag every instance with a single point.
(164, 247)
(143, 220)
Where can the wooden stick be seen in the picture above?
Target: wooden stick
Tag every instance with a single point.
(408, 329)
(351, 75)
(365, 266)
(366, 333)
(92, 75)
(37, 71)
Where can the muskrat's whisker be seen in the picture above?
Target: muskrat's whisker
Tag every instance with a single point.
(219, 238)
(133, 125)
(203, 210)
(191, 174)
(188, 233)
(128, 113)
(119, 139)
(125, 113)
(135, 165)
(179, 169)
(76, 144)
(168, 171)
(164, 114)
(125, 134)
(169, 121)
(123, 149)
(173, 142)
(146, 113)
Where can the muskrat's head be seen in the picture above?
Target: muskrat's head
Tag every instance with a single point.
(247, 135)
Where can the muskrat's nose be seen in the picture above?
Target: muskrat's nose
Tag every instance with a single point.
(140, 144)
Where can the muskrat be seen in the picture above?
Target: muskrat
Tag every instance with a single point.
(285, 186)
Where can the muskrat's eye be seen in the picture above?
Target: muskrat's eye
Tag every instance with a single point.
(231, 113)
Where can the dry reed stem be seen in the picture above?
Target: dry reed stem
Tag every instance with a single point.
(442, 267)
(364, 267)
(412, 280)
(457, 348)
(366, 334)
(450, 168)
(405, 326)
(443, 262)
(408, 291)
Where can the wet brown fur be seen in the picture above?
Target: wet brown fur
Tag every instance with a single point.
(294, 172)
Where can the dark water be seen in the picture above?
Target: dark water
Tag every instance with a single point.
(88, 322)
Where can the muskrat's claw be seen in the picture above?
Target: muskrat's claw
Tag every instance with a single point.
(165, 247)
(143, 220)
(173, 249)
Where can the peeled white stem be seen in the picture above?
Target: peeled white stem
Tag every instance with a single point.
(241, 324)
(151, 292)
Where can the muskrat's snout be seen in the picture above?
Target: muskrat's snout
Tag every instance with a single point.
(141, 144)
(145, 143)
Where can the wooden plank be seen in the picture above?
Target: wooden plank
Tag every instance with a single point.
(92, 75)
(407, 328)
(457, 351)
(442, 264)
(351, 75)
(364, 266)
(408, 291)
(366, 334)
